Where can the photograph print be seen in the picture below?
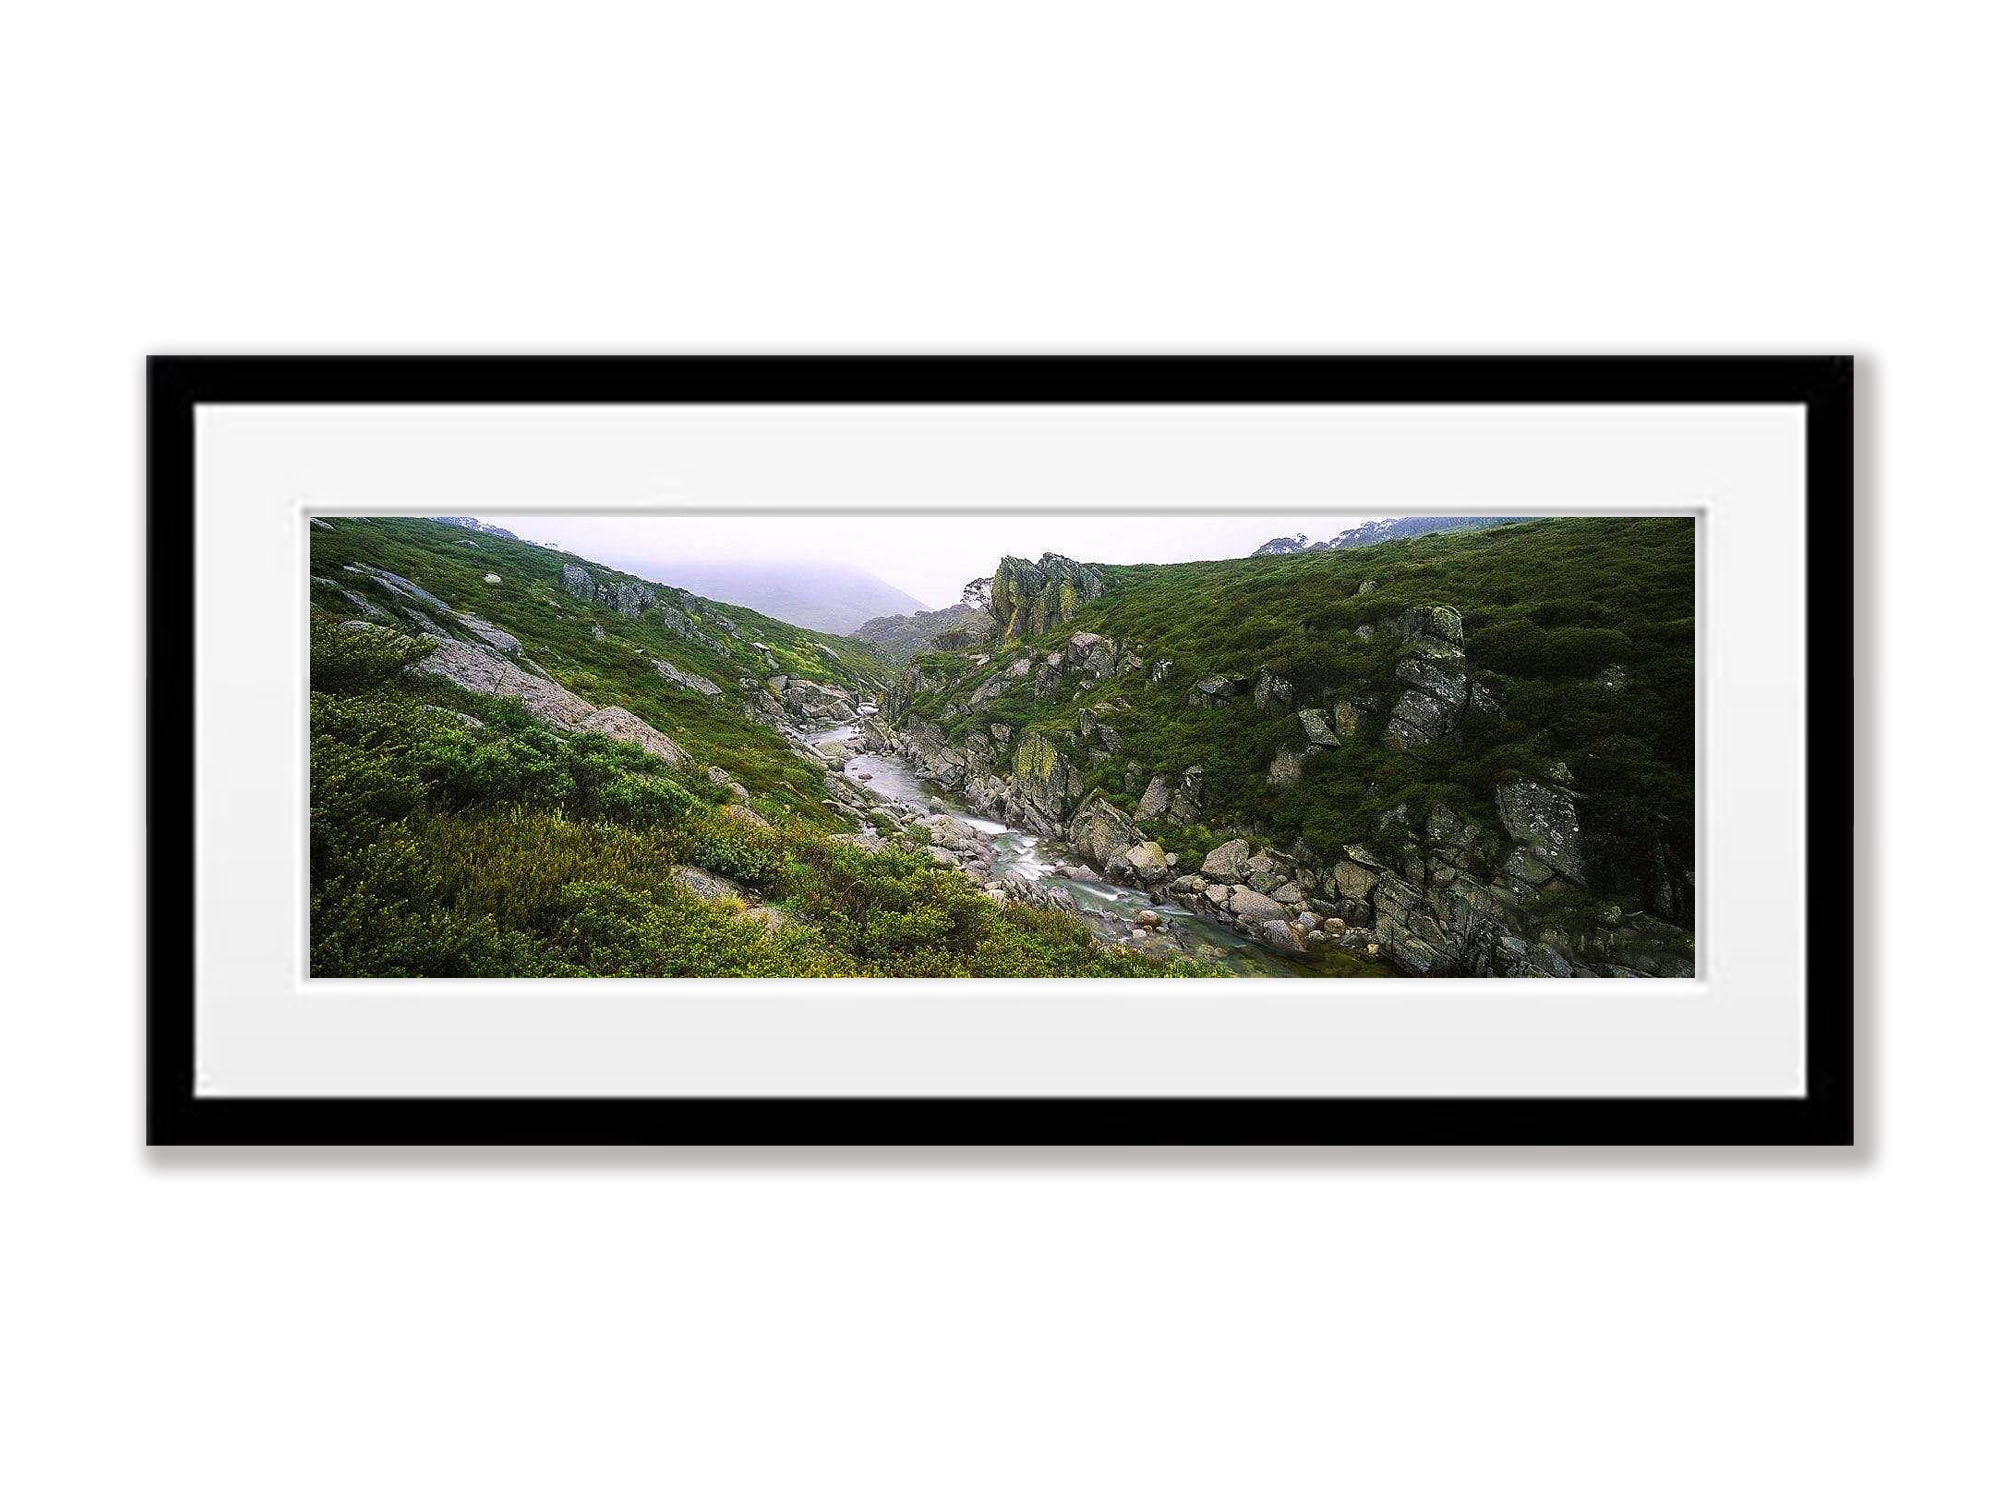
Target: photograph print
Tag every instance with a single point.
(1049, 746)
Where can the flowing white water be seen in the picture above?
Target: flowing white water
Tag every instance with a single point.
(1017, 852)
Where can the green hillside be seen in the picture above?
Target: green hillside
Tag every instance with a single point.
(1577, 652)
(1547, 605)
(457, 831)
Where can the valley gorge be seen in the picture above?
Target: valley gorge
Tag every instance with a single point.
(1386, 760)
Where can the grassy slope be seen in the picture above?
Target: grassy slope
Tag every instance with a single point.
(445, 848)
(555, 632)
(1547, 605)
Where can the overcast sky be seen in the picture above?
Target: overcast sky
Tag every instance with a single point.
(929, 556)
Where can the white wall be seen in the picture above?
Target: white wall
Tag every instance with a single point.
(1527, 177)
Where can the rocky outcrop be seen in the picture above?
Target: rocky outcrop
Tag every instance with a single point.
(1034, 598)
(813, 705)
(1449, 895)
(1043, 785)
(761, 705)
(1183, 804)
(1270, 689)
(396, 584)
(1544, 819)
(1433, 673)
(1094, 655)
(622, 724)
(369, 608)
(683, 679)
(1215, 692)
(630, 599)
(481, 671)
(492, 635)
(687, 628)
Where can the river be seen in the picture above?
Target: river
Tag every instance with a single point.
(1018, 852)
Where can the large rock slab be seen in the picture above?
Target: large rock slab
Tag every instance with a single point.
(492, 635)
(689, 680)
(1437, 622)
(1279, 934)
(1186, 804)
(480, 671)
(1352, 880)
(1225, 862)
(1039, 795)
(814, 704)
(1318, 731)
(397, 584)
(1432, 668)
(1544, 818)
(1441, 676)
(1102, 833)
(1092, 654)
(1254, 907)
(1419, 722)
(624, 725)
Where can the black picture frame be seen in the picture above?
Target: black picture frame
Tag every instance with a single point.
(1823, 1115)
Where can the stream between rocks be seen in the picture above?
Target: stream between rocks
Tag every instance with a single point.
(1112, 909)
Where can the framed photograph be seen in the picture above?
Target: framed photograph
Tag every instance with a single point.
(1026, 751)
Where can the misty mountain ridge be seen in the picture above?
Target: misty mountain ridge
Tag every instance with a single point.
(833, 598)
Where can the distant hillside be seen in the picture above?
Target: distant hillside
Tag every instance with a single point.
(1401, 528)
(966, 624)
(1283, 546)
(828, 597)
(473, 523)
(1369, 533)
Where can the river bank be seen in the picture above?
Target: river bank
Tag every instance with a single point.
(1025, 866)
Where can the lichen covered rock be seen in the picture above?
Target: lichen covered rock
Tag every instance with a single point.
(1034, 598)
(1038, 794)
